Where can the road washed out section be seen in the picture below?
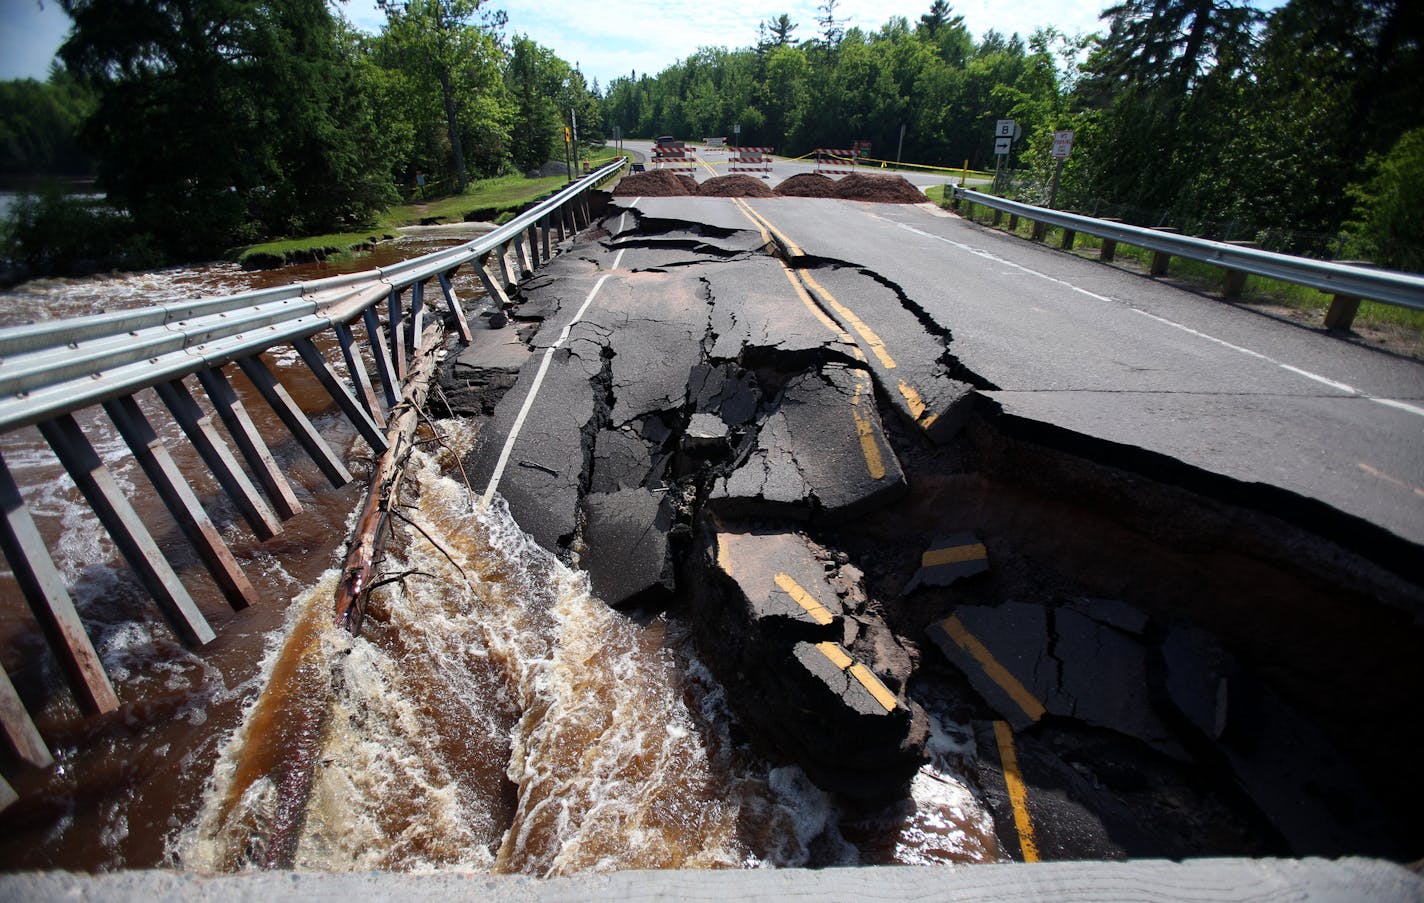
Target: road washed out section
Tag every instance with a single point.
(716, 426)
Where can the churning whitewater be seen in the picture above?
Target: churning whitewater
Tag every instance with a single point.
(494, 715)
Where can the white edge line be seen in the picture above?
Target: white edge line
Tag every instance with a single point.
(538, 382)
(1342, 387)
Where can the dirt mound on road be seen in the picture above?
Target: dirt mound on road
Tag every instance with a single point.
(735, 187)
(883, 189)
(807, 185)
(658, 184)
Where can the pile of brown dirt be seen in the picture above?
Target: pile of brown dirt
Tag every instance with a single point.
(882, 189)
(735, 187)
(807, 185)
(656, 184)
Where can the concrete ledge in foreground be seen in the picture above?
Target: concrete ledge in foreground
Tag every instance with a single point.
(1314, 880)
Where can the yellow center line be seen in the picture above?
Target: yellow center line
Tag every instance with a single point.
(953, 555)
(804, 599)
(836, 654)
(863, 675)
(746, 211)
(865, 429)
(792, 247)
(816, 311)
(877, 345)
(916, 404)
(997, 672)
(1018, 793)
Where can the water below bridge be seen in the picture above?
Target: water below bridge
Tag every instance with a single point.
(494, 715)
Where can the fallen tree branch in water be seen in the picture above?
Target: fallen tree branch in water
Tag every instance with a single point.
(373, 524)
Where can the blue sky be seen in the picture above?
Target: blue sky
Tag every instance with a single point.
(609, 38)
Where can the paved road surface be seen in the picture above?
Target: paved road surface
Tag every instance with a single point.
(1109, 354)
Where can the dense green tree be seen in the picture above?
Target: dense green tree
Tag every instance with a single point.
(222, 121)
(39, 126)
(453, 64)
(1389, 216)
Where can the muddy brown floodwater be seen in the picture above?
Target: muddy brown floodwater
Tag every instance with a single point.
(494, 716)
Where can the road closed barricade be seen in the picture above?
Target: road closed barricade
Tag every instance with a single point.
(751, 159)
(674, 158)
(835, 162)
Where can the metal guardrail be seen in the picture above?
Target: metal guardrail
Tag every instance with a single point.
(1346, 282)
(55, 367)
(50, 370)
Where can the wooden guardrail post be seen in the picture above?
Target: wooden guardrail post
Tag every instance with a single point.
(1341, 314)
(1235, 279)
(1070, 236)
(1109, 249)
(1160, 259)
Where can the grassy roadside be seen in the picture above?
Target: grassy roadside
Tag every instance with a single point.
(1398, 329)
(485, 200)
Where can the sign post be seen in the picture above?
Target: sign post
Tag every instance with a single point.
(737, 136)
(1005, 131)
(1062, 147)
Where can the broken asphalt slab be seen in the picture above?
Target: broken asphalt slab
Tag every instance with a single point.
(822, 676)
(821, 452)
(1098, 663)
(906, 350)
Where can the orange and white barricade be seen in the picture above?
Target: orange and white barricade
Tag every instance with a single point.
(674, 158)
(751, 159)
(834, 162)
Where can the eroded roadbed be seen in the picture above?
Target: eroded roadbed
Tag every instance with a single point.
(881, 567)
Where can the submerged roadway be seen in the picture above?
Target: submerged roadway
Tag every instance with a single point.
(817, 424)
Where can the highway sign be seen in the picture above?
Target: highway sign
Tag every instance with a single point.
(1004, 128)
(1002, 146)
(1062, 144)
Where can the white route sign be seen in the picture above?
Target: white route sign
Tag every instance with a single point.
(1004, 128)
(1062, 144)
(1002, 146)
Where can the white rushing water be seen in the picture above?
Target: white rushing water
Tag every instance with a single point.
(497, 716)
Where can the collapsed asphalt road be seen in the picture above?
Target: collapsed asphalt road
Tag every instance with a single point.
(797, 459)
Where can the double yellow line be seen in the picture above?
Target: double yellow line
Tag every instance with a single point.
(871, 339)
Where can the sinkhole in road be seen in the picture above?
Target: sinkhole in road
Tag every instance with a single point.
(1182, 665)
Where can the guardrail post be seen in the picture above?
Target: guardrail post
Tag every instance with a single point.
(1235, 279)
(998, 217)
(1109, 249)
(1070, 236)
(1013, 222)
(1160, 259)
(1343, 308)
(1341, 315)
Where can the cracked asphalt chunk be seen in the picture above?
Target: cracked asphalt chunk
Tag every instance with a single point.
(909, 354)
(544, 472)
(623, 459)
(821, 673)
(820, 453)
(710, 215)
(779, 578)
(755, 316)
(1026, 660)
(668, 313)
(633, 561)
